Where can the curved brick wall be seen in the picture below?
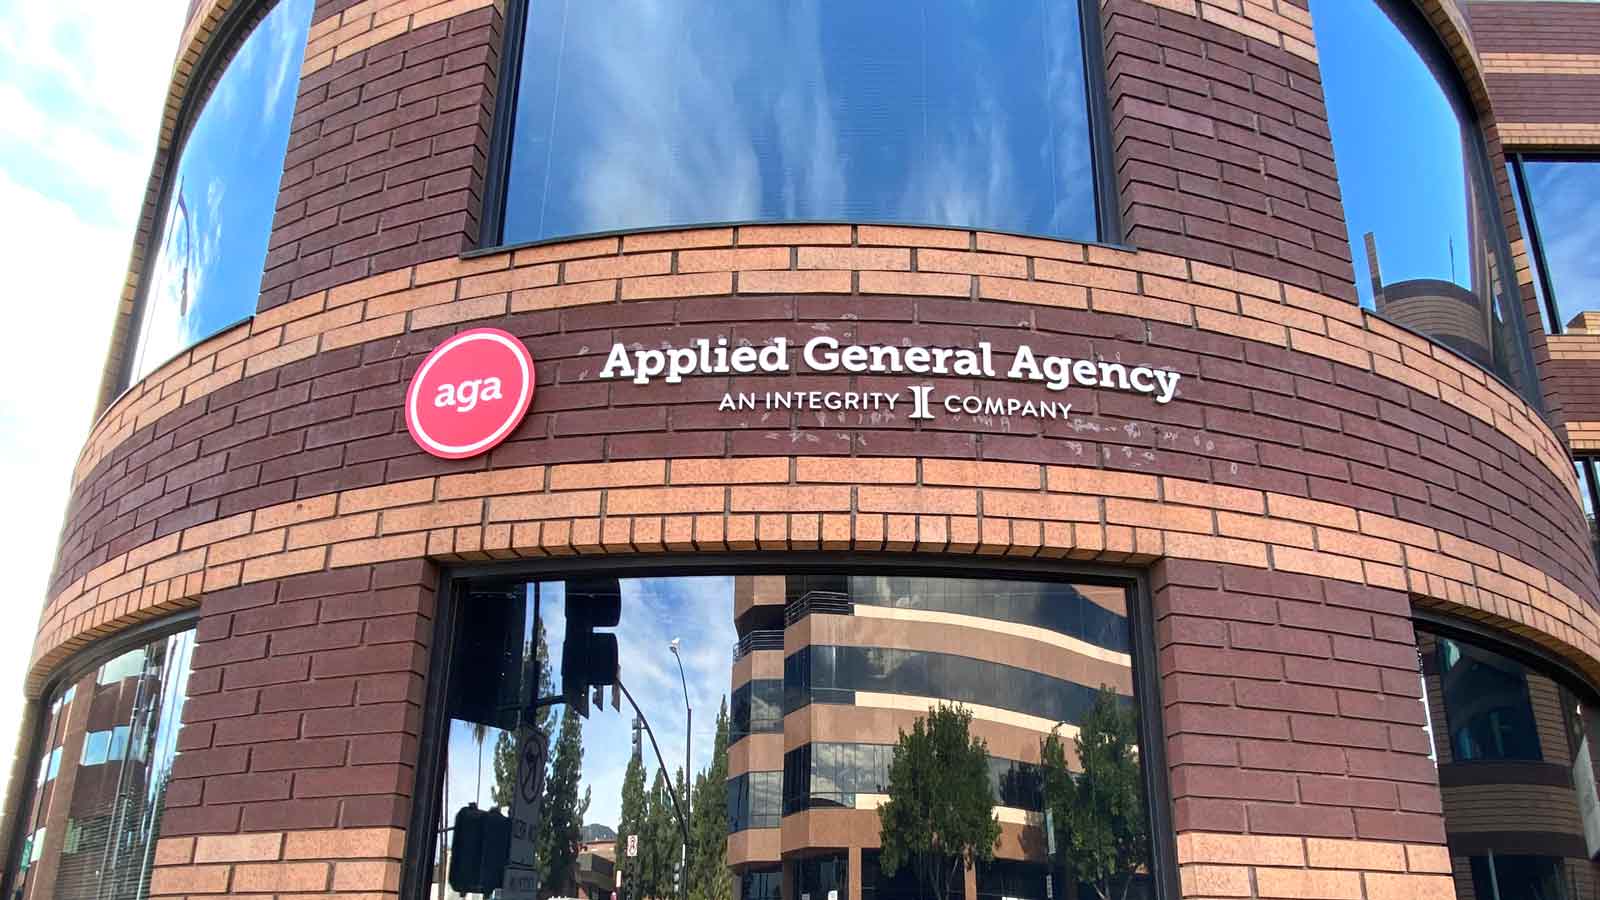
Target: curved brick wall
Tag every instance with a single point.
(1320, 472)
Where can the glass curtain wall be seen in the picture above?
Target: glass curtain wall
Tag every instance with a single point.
(1515, 745)
(110, 738)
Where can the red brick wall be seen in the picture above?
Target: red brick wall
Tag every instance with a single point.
(1540, 59)
(305, 703)
(1293, 706)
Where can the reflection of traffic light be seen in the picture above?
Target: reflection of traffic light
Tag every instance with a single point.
(589, 659)
(480, 848)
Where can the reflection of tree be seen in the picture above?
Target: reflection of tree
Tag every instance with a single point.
(631, 820)
(939, 818)
(1102, 835)
(561, 831)
(709, 877)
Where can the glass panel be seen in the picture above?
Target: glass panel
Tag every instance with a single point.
(1018, 739)
(1565, 194)
(1517, 775)
(1487, 705)
(206, 271)
(111, 739)
(640, 113)
(1425, 233)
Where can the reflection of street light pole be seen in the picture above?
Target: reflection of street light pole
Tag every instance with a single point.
(688, 742)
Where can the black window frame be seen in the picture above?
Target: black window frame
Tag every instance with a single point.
(421, 835)
(491, 236)
(1529, 220)
(32, 737)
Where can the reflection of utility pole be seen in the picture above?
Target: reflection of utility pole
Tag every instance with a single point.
(688, 743)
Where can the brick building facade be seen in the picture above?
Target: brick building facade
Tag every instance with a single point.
(1335, 492)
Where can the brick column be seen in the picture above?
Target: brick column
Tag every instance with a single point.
(299, 742)
(1222, 144)
(1299, 760)
(391, 135)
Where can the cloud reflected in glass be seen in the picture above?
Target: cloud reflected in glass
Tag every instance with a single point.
(645, 113)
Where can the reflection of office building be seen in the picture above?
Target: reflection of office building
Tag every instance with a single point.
(830, 670)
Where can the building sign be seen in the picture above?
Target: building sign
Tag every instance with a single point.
(470, 393)
(918, 401)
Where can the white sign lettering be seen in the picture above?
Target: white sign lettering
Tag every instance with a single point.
(828, 354)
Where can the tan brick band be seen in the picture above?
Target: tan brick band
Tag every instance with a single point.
(824, 259)
(372, 22)
(1541, 63)
(1233, 865)
(1532, 135)
(361, 862)
(805, 503)
(1583, 436)
(1279, 23)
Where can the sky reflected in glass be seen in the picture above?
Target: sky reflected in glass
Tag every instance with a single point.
(1565, 195)
(206, 274)
(643, 113)
(1426, 238)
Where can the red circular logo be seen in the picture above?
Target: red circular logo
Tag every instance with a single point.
(470, 393)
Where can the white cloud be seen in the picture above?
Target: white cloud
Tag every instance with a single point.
(82, 84)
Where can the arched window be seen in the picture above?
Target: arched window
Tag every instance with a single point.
(1425, 233)
(204, 273)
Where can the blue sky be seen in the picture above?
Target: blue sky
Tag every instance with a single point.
(82, 83)
(699, 611)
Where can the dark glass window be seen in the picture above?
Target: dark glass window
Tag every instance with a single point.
(761, 884)
(939, 675)
(638, 114)
(110, 738)
(903, 886)
(1518, 877)
(204, 272)
(1487, 704)
(757, 707)
(1005, 878)
(819, 775)
(1094, 614)
(824, 877)
(1425, 233)
(755, 800)
(1556, 199)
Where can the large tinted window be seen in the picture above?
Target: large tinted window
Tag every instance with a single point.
(1557, 199)
(612, 780)
(643, 113)
(204, 272)
(1425, 232)
(109, 743)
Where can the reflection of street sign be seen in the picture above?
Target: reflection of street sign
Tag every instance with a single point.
(522, 881)
(1050, 887)
(633, 846)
